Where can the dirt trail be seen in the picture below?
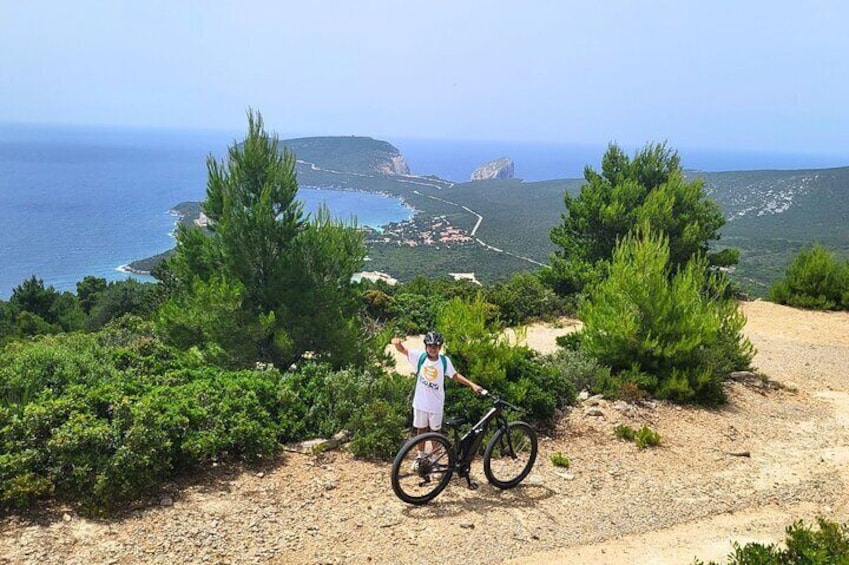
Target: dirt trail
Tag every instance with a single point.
(614, 504)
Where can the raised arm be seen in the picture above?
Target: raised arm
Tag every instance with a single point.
(399, 345)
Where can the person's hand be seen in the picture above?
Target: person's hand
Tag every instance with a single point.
(480, 390)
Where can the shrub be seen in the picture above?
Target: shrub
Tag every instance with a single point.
(644, 437)
(102, 443)
(49, 364)
(647, 437)
(370, 405)
(414, 313)
(560, 460)
(827, 545)
(579, 369)
(625, 432)
(524, 298)
(667, 333)
(816, 280)
(101, 419)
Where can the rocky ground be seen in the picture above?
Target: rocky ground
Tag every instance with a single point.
(778, 451)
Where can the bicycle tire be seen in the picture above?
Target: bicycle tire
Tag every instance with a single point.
(507, 464)
(423, 485)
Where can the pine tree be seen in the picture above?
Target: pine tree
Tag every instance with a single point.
(649, 189)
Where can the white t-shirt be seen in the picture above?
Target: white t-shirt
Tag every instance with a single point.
(430, 381)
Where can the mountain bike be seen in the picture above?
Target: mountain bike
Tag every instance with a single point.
(508, 458)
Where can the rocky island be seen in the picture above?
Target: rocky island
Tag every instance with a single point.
(498, 169)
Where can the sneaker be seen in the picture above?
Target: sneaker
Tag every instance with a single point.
(414, 467)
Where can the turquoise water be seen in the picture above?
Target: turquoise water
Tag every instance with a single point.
(85, 201)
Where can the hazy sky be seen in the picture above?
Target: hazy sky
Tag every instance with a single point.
(756, 75)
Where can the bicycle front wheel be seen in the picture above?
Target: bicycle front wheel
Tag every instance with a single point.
(418, 479)
(510, 455)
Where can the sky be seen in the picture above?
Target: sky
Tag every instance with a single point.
(717, 74)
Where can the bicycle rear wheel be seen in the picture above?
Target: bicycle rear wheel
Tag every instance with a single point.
(418, 481)
(510, 455)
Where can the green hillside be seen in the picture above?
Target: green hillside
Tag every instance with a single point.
(774, 214)
(352, 154)
(771, 214)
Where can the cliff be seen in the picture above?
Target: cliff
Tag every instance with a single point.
(396, 165)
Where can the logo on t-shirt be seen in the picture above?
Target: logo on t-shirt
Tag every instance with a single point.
(430, 372)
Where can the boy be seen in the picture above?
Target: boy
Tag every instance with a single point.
(431, 369)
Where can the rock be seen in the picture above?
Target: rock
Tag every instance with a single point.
(166, 501)
(621, 406)
(594, 400)
(594, 411)
(742, 376)
(319, 445)
(467, 525)
(498, 169)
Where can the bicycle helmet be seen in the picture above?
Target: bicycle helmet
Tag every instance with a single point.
(433, 338)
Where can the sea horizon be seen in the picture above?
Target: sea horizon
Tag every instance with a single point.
(88, 200)
(538, 161)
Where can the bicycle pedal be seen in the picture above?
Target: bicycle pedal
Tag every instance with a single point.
(472, 484)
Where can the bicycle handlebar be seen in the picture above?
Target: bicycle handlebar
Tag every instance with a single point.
(497, 399)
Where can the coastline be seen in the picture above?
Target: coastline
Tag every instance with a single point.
(191, 213)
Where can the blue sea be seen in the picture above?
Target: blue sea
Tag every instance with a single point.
(457, 160)
(77, 201)
(85, 201)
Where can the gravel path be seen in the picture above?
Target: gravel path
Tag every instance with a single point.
(743, 472)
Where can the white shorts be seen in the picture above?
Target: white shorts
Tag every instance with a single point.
(422, 419)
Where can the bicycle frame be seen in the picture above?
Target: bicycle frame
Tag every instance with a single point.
(466, 447)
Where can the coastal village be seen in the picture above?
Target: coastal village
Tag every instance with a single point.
(436, 231)
(416, 232)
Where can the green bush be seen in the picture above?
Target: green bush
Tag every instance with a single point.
(827, 545)
(579, 369)
(625, 432)
(101, 419)
(525, 298)
(538, 388)
(560, 460)
(414, 313)
(666, 332)
(644, 437)
(49, 364)
(647, 437)
(372, 406)
(102, 443)
(815, 280)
